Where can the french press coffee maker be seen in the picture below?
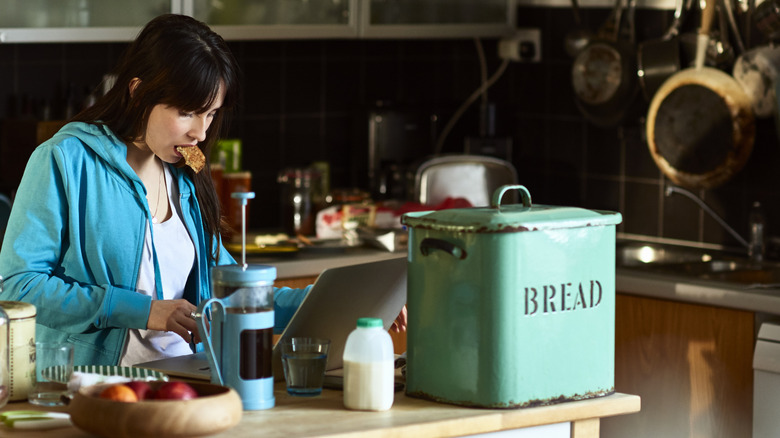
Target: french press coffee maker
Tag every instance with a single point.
(238, 341)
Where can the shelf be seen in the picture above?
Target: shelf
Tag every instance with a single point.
(645, 4)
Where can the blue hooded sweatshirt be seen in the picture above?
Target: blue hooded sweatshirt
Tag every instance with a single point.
(74, 241)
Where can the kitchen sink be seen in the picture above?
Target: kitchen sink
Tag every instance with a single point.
(637, 254)
(697, 264)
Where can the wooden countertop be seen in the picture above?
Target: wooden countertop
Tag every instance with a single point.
(689, 290)
(409, 417)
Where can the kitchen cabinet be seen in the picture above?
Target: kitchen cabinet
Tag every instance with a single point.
(436, 19)
(38, 21)
(24, 21)
(690, 363)
(277, 19)
(273, 19)
(646, 4)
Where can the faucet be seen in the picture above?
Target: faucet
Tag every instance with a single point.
(756, 247)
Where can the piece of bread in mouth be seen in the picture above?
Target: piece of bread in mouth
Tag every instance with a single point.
(193, 157)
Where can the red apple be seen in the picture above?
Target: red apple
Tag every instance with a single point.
(175, 391)
(142, 389)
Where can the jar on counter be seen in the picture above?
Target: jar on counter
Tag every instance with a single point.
(21, 351)
(298, 210)
(369, 367)
(231, 207)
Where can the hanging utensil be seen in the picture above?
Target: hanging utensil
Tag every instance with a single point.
(604, 73)
(728, 9)
(579, 37)
(719, 52)
(766, 17)
(700, 124)
(725, 54)
(659, 59)
(756, 71)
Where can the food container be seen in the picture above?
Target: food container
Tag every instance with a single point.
(511, 306)
(298, 212)
(231, 207)
(22, 340)
(228, 154)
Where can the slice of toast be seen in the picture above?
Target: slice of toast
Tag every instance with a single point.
(193, 157)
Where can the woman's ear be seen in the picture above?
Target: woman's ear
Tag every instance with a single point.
(133, 85)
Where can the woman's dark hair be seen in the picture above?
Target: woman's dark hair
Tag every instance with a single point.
(181, 63)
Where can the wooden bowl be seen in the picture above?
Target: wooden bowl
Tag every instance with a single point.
(217, 408)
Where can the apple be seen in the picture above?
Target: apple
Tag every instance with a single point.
(142, 389)
(175, 391)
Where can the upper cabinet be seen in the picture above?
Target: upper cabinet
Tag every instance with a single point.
(277, 19)
(26, 21)
(436, 18)
(113, 20)
(609, 4)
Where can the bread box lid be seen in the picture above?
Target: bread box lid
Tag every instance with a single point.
(510, 218)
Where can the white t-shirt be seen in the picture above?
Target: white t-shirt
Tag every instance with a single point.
(176, 255)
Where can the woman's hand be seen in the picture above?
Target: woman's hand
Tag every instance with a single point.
(399, 325)
(174, 316)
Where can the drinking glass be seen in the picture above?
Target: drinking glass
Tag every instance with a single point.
(304, 361)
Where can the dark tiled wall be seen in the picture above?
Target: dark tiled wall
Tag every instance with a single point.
(307, 100)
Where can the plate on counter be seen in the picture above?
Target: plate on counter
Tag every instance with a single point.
(254, 249)
(328, 245)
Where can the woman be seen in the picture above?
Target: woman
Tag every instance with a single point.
(110, 237)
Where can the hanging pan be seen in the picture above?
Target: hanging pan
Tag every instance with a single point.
(756, 71)
(659, 59)
(700, 124)
(604, 73)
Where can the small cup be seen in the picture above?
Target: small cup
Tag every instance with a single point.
(304, 361)
(53, 368)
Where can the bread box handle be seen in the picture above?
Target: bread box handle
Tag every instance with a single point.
(429, 243)
(525, 195)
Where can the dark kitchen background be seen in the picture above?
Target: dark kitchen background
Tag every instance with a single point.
(309, 100)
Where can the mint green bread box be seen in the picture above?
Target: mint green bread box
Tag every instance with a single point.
(511, 306)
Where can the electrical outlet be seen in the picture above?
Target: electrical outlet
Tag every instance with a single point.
(524, 46)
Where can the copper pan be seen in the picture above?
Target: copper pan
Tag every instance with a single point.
(700, 124)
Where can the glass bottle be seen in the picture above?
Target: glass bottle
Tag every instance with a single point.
(297, 209)
(757, 244)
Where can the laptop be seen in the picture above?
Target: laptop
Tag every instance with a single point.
(337, 299)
